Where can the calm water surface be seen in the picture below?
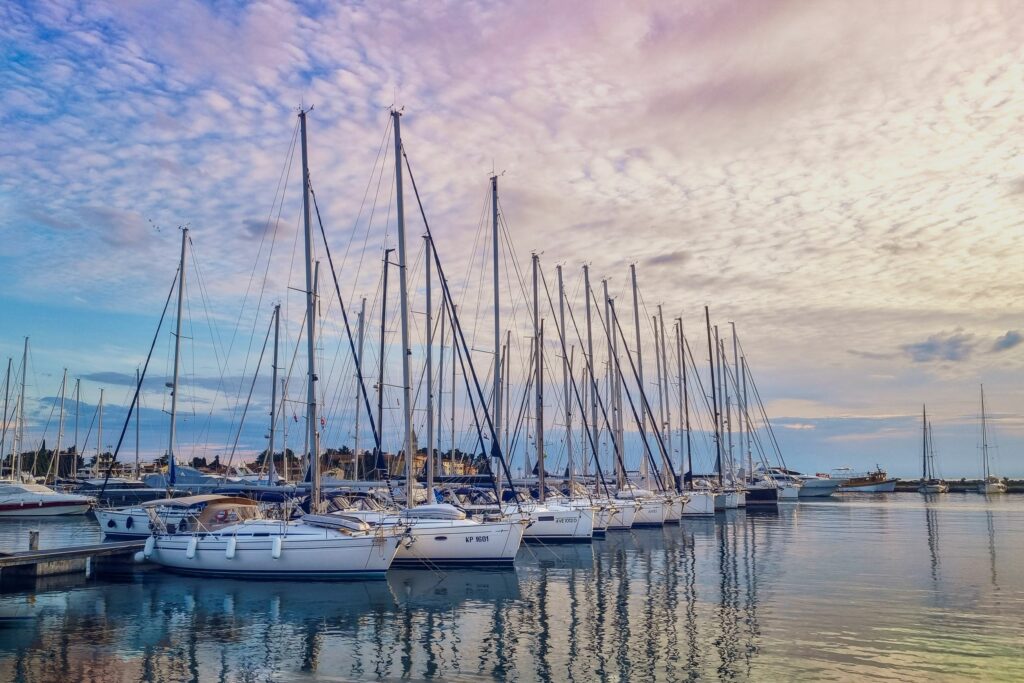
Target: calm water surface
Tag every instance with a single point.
(881, 587)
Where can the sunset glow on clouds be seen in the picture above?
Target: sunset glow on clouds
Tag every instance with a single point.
(843, 180)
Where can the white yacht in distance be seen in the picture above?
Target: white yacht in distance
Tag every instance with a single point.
(35, 500)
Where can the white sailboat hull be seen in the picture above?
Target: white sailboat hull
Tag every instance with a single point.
(554, 523)
(650, 512)
(434, 543)
(621, 515)
(700, 503)
(988, 487)
(265, 549)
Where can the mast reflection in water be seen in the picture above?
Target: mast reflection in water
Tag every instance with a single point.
(840, 589)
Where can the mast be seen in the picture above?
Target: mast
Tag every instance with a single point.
(714, 398)
(20, 424)
(78, 402)
(138, 383)
(644, 473)
(440, 392)
(565, 379)
(723, 367)
(380, 368)
(7, 397)
(507, 364)
(60, 426)
(430, 375)
(749, 429)
(271, 470)
(740, 406)
(984, 438)
(171, 471)
(99, 436)
(591, 366)
(455, 359)
(667, 401)
(924, 442)
(496, 393)
(614, 390)
(311, 378)
(684, 408)
(359, 373)
(538, 382)
(403, 296)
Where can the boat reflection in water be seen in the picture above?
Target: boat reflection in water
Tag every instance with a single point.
(812, 592)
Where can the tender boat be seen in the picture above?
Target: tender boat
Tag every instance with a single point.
(35, 500)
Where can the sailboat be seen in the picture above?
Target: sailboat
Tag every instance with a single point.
(929, 482)
(989, 483)
(315, 546)
(434, 534)
(19, 495)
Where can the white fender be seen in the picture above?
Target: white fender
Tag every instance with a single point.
(190, 550)
(140, 557)
(275, 548)
(147, 550)
(229, 552)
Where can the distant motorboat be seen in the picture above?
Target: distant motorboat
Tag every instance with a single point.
(35, 500)
(877, 481)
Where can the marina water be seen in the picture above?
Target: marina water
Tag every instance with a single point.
(894, 587)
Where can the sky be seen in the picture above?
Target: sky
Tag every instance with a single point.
(843, 180)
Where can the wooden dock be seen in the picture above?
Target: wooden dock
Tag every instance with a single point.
(86, 559)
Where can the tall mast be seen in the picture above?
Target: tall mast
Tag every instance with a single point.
(60, 426)
(714, 397)
(644, 474)
(171, 470)
(272, 441)
(20, 424)
(99, 436)
(924, 442)
(403, 296)
(591, 365)
(749, 429)
(440, 392)
(684, 409)
(138, 409)
(740, 407)
(380, 368)
(428, 257)
(78, 402)
(496, 393)
(506, 358)
(723, 367)
(7, 398)
(614, 390)
(361, 334)
(565, 379)
(538, 382)
(311, 378)
(455, 360)
(984, 437)
(667, 402)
